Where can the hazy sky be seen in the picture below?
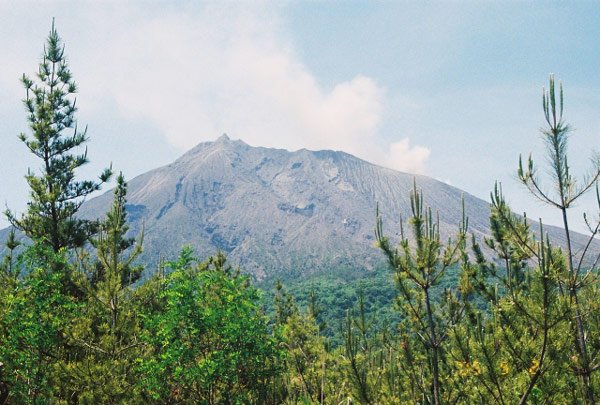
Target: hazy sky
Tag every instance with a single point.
(448, 89)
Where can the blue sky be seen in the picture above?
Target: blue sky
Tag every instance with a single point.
(447, 89)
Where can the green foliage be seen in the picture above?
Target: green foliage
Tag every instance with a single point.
(35, 319)
(285, 306)
(112, 243)
(517, 341)
(209, 343)
(425, 325)
(567, 190)
(449, 325)
(8, 269)
(332, 295)
(106, 335)
(56, 195)
(306, 359)
(312, 372)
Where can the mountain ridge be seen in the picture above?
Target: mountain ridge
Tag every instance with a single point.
(276, 212)
(226, 186)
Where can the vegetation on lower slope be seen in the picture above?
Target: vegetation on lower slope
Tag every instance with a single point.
(445, 325)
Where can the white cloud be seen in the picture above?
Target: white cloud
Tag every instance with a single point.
(205, 72)
(195, 72)
(403, 157)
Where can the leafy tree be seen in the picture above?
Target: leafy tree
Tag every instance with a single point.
(311, 373)
(328, 297)
(209, 342)
(9, 279)
(34, 329)
(56, 194)
(4, 389)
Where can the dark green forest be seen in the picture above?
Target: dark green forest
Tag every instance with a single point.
(512, 318)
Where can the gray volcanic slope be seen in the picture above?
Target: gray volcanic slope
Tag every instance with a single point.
(274, 211)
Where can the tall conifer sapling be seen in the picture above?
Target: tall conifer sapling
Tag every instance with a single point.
(567, 190)
(56, 194)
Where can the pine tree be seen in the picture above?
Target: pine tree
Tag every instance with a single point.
(515, 333)
(56, 195)
(112, 243)
(108, 332)
(8, 268)
(567, 191)
(419, 268)
(285, 306)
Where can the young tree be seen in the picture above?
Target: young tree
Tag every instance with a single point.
(108, 331)
(8, 279)
(419, 269)
(9, 271)
(209, 342)
(516, 333)
(112, 243)
(566, 191)
(285, 306)
(305, 359)
(362, 356)
(32, 331)
(56, 194)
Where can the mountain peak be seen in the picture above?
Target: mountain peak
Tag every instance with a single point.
(223, 138)
(279, 212)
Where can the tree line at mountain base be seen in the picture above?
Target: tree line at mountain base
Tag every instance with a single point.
(76, 326)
